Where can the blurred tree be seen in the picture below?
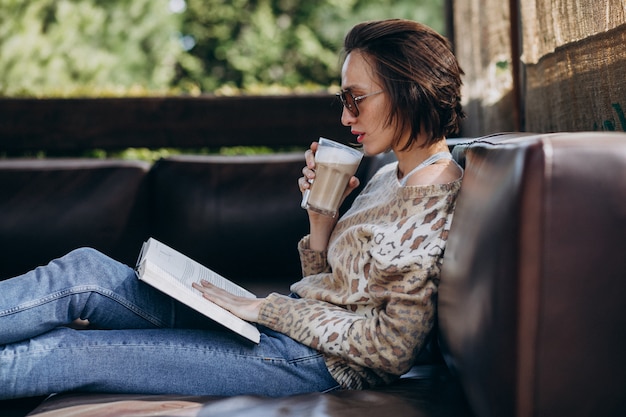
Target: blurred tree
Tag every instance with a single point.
(129, 47)
(244, 43)
(57, 47)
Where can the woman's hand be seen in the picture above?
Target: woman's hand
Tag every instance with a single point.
(321, 226)
(308, 171)
(245, 308)
(308, 177)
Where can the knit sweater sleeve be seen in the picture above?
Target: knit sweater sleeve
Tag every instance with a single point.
(312, 261)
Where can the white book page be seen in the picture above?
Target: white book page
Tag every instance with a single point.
(173, 273)
(187, 270)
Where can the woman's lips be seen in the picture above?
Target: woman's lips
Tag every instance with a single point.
(359, 136)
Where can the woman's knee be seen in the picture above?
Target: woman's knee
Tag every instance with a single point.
(89, 262)
(86, 255)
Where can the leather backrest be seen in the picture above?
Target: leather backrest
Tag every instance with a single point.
(49, 207)
(238, 215)
(532, 308)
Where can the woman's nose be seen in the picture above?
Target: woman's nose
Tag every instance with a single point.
(347, 118)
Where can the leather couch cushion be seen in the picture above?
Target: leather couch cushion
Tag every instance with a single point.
(49, 207)
(531, 301)
(240, 216)
(429, 394)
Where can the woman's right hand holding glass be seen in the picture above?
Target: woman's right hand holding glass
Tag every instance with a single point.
(321, 226)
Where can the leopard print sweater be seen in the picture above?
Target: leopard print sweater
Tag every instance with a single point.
(368, 303)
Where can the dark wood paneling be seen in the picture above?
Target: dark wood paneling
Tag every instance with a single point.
(69, 125)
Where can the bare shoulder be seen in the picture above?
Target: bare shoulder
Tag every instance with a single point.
(442, 172)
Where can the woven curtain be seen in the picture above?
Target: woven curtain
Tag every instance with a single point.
(483, 48)
(574, 53)
(573, 64)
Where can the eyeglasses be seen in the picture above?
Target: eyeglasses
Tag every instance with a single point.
(350, 102)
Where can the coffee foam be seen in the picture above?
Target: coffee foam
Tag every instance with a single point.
(330, 155)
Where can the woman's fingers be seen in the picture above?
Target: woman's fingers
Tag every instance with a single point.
(304, 184)
(308, 171)
(243, 307)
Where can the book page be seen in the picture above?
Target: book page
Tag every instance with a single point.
(173, 273)
(187, 270)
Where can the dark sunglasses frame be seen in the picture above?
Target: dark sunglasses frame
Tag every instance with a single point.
(350, 102)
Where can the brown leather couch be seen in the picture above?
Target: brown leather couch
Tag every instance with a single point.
(531, 311)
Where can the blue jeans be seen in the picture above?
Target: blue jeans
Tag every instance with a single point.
(146, 342)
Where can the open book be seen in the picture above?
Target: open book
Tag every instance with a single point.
(173, 273)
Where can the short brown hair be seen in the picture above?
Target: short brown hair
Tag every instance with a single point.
(419, 72)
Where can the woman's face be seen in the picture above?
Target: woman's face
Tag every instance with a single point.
(369, 126)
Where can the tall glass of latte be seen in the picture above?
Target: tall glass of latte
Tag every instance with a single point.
(335, 164)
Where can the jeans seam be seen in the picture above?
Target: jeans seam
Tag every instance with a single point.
(146, 345)
(81, 290)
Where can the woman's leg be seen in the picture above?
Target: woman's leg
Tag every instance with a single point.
(160, 361)
(84, 284)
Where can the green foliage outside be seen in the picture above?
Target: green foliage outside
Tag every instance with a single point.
(289, 43)
(150, 47)
(86, 47)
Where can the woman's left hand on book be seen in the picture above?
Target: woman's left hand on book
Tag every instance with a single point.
(242, 307)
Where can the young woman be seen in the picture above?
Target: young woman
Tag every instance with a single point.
(359, 316)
